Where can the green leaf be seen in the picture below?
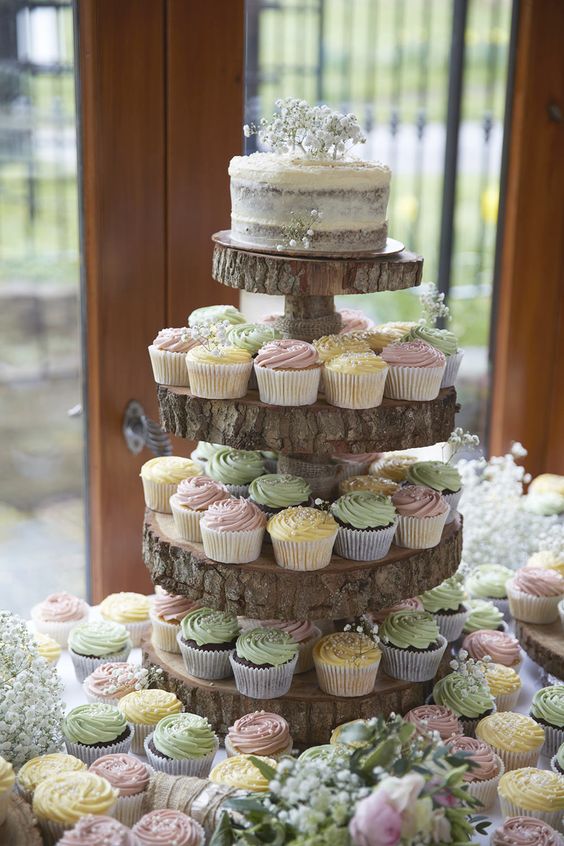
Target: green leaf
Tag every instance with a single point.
(223, 834)
(406, 732)
(357, 733)
(265, 769)
(381, 756)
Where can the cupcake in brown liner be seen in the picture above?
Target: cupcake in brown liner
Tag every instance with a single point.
(182, 744)
(435, 719)
(347, 663)
(482, 778)
(422, 514)
(166, 826)
(167, 612)
(264, 662)
(534, 594)
(97, 729)
(110, 682)
(288, 372)
(161, 477)
(130, 777)
(192, 499)
(411, 645)
(259, 733)
(367, 525)
(143, 709)
(233, 531)
(168, 356)
(58, 614)
(207, 640)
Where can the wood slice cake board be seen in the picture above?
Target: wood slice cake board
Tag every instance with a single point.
(19, 829)
(264, 590)
(544, 644)
(311, 714)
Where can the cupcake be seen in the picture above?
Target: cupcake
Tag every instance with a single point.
(355, 380)
(367, 525)
(378, 337)
(546, 559)
(375, 484)
(440, 477)
(130, 777)
(270, 459)
(436, 719)
(505, 686)
(346, 663)
(483, 614)
(168, 356)
(548, 504)
(304, 632)
(354, 320)
(182, 744)
(192, 499)
(393, 466)
(446, 603)
(240, 772)
(38, 769)
(502, 648)
(47, 647)
(203, 452)
(95, 643)
(525, 831)
(534, 594)
(167, 612)
(516, 738)
(235, 468)
(143, 709)
(97, 729)
(302, 538)
(336, 738)
(264, 662)
(58, 614)
(288, 372)
(233, 531)
(468, 695)
(329, 752)
(110, 682)
(7, 779)
(129, 609)
(355, 464)
(217, 314)
(422, 514)
(260, 733)
(98, 831)
(275, 491)
(251, 337)
(165, 826)
(415, 372)
(529, 792)
(219, 373)
(557, 762)
(482, 777)
(443, 340)
(412, 603)
(331, 346)
(161, 477)
(207, 640)
(547, 709)
(60, 801)
(488, 582)
(412, 646)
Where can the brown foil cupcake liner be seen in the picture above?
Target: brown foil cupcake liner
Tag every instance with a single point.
(186, 521)
(232, 547)
(486, 791)
(193, 767)
(303, 555)
(164, 635)
(452, 367)
(412, 666)
(89, 754)
(510, 809)
(532, 609)
(354, 390)
(451, 625)
(263, 682)
(367, 545)
(420, 532)
(205, 663)
(346, 681)
(288, 387)
(169, 368)
(219, 381)
(231, 750)
(414, 383)
(84, 665)
(158, 494)
(453, 499)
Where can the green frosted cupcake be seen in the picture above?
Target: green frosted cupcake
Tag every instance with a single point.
(216, 314)
(182, 744)
(251, 337)
(447, 604)
(264, 662)
(367, 524)
(547, 709)
(443, 340)
(95, 643)
(483, 614)
(206, 640)
(91, 731)
(276, 491)
(468, 696)
(488, 582)
(441, 477)
(235, 468)
(412, 646)
(557, 763)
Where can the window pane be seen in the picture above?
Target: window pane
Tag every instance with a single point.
(41, 460)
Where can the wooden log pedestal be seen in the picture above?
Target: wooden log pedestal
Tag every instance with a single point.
(544, 645)
(19, 828)
(263, 590)
(248, 423)
(311, 714)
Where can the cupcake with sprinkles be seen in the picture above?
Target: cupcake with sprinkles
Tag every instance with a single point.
(531, 792)
(112, 681)
(525, 831)
(41, 767)
(192, 499)
(302, 538)
(60, 801)
(367, 525)
(347, 663)
(130, 777)
(466, 692)
(304, 632)
(259, 733)
(242, 773)
(98, 831)
(97, 729)
(165, 826)
(143, 709)
(182, 744)
(516, 738)
(207, 640)
(264, 662)
(355, 380)
(168, 356)
(505, 686)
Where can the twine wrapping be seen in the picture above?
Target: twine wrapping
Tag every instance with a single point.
(197, 797)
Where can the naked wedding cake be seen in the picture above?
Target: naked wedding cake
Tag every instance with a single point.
(309, 193)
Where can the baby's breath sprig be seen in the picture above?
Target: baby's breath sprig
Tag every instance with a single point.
(364, 626)
(457, 440)
(212, 336)
(471, 669)
(433, 306)
(299, 231)
(322, 504)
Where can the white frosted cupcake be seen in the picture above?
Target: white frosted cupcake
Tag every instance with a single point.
(534, 594)
(192, 499)
(264, 662)
(130, 777)
(422, 514)
(182, 744)
(58, 614)
(220, 373)
(346, 663)
(129, 609)
(168, 356)
(233, 531)
(167, 611)
(7, 779)
(355, 380)
(288, 372)
(415, 372)
(483, 777)
(302, 538)
(161, 477)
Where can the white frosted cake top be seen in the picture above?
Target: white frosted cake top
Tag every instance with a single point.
(290, 171)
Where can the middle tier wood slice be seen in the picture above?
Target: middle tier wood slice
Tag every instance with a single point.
(248, 423)
(265, 591)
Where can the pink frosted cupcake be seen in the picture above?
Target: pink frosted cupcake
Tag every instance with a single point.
(288, 372)
(422, 514)
(483, 777)
(415, 371)
(435, 718)
(412, 603)
(304, 633)
(165, 826)
(192, 499)
(233, 531)
(112, 681)
(98, 831)
(168, 356)
(58, 614)
(167, 612)
(525, 831)
(260, 733)
(534, 594)
(130, 777)
(501, 647)
(354, 320)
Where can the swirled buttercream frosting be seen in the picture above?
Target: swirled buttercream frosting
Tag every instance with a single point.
(412, 603)
(546, 559)
(392, 465)
(239, 771)
(115, 680)
(464, 695)
(98, 831)
(218, 355)
(330, 346)
(233, 515)
(47, 647)
(483, 614)
(199, 492)
(405, 629)
(413, 354)
(147, 707)
(301, 524)
(418, 501)
(435, 718)
(434, 474)
(252, 336)
(548, 705)
(124, 772)
(175, 340)
(484, 760)
(354, 320)
(184, 736)
(375, 484)
(510, 731)
(259, 733)
(448, 596)
(488, 581)
(501, 647)
(300, 630)
(204, 625)
(533, 789)
(356, 362)
(266, 646)
(169, 469)
(441, 339)
(537, 581)
(287, 354)
(167, 826)
(364, 510)
(525, 831)
(99, 638)
(125, 607)
(171, 607)
(97, 722)
(235, 466)
(38, 769)
(279, 490)
(61, 608)
(7, 777)
(67, 797)
(501, 679)
(216, 314)
(346, 649)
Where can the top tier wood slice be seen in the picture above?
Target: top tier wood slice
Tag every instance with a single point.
(544, 644)
(279, 274)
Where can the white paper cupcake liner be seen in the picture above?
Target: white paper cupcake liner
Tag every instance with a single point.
(89, 754)
(553, 740)
(84, 665)
(232, 547)
(515, 760)
(412, 666)
(164, 635)
(186, 521)
(368, 545)
(554, 767)
(129, 809)
(206, 663)
(288, 387)
(4, 802)
(346, 681)
(219, 381)
(420, 532)
(414, 383)
(451, 370)
(138, 631)
(51, 831)
(507, 701)
(486, 791)
(451, 625)
(305, 654)
(158, 494)
(303, 555)
(141, 732)
(238, 490)
(58, 631)
(194, 767)
(169, 368)
(510, 809)
(453, 499)
(354, 390)
(532, 609)
(263, 682)
(231, 750)
(92, 697)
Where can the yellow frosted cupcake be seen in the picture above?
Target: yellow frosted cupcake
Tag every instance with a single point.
(337, 734)
(60, 801)
(330, 346)
(346, 663)
(546, 559)
(302, 538)
(355, 380)
(220, 373)
(530, 792)
(143, 709)
(379, 337)
(38, 769)
(547, 483)
(374, 484)
(504, 684)
(161, 477)
(516, 738)
(393, 465)
(131, 610)
(7, 779)
(48, 647)
(240, 772)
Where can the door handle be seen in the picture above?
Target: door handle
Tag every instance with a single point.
(140, 431)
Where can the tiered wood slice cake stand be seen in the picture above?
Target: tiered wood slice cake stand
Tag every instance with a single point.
(315, 433)
(544, 644)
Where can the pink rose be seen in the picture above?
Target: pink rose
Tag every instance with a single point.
(403, 791)
(376, 821)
